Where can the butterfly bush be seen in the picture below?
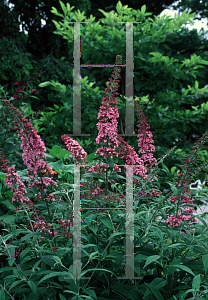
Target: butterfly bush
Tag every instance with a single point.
(34, 155)
(107, 133)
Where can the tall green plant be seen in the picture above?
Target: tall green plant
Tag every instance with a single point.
(161, 97)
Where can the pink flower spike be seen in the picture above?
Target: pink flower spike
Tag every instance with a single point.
(74, 148)
(34, 91)
(13, 179)
(107, 116)
(145, 138)
(33, 148)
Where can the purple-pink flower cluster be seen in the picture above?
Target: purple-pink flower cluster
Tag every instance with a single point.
(33, 152)
(186, 205)
(74, 148)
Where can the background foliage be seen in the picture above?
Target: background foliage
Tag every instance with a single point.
(169, 68)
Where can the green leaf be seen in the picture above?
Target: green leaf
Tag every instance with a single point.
(49, 260)
(158, 283)
(90, 292)
(14, 284)
(110, 162)
(97, 269)
(151, 259)
(27, 236)
(155, 292)
(174, 245)
(137, 178)
(34, 97)
(33, 286)
(205, 262)
(173, 188)
(54, 10)
(25, 252)
(8, 204)
(68, 7)
(8, 218)
(116, 176)
(94, 229)
(125, 291)
(65, 291)
(196, 85)
(67, 274)
(119, 6)
(11, 260)
(35, 266)
(90, 157)
(122, 232)
(173, 169)
(57, 151)
(63, 6)
(196, 282)
(93, 174)
(143, 9)
(106, 222)
(182, 267)
(2, 294)
(46, 83)
(5, 269)
(2, 176)
(202, 220)
(61, 296)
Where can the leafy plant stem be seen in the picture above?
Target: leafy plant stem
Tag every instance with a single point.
(7, 292)
(100, 258)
